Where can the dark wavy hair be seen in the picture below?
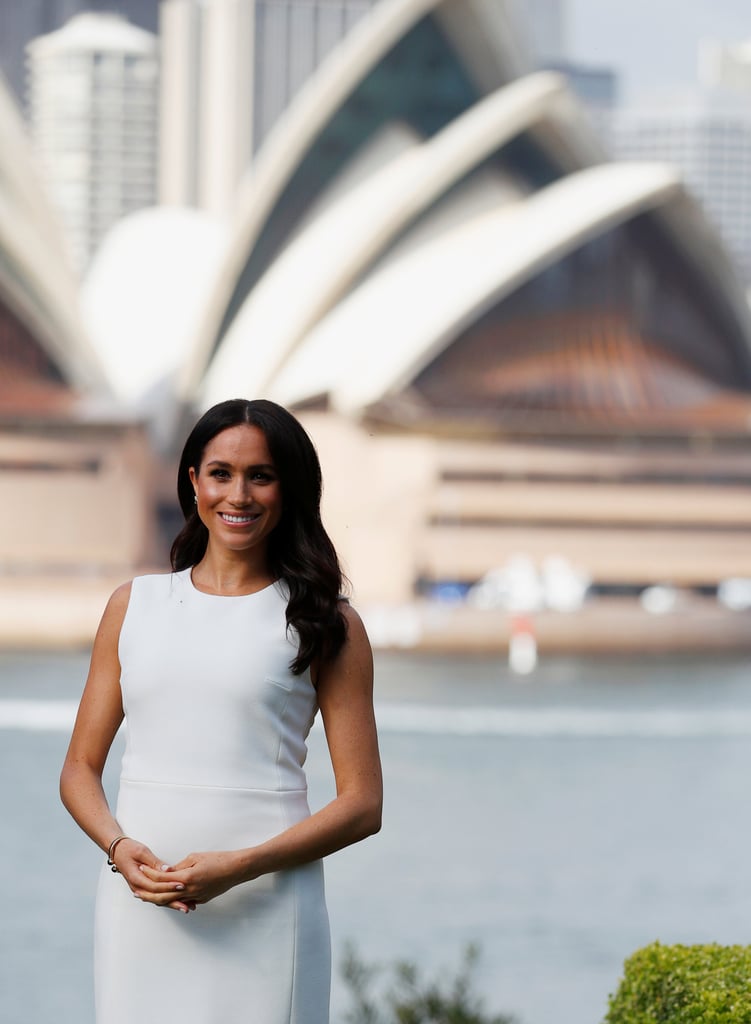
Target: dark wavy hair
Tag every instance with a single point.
(299, 550)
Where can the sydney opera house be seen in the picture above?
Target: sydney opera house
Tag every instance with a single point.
(500, 341)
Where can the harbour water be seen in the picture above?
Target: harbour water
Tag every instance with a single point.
(560, 821)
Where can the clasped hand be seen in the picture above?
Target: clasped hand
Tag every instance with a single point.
(197, 878)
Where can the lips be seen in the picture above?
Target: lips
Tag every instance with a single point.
(239, 520)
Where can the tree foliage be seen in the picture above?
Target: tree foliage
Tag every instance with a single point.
(677, 984)
(409, 999)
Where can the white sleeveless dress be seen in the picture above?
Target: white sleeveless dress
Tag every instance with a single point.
(216, 726)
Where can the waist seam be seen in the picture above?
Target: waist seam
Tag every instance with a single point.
(198, 785)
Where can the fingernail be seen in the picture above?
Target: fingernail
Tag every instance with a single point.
(165, 867)
(179, 885)
(140, 867)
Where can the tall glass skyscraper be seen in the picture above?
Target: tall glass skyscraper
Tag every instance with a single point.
(24, 20)
(229, 69)
(304, 31)
(707, 136)
(542, 23)
(93, 89)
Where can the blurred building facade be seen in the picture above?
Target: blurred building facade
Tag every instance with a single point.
(22, 22)
(93, 98)
(500, 341)
(75, 476)
(542, 26)
(725, 65)
(706, 133)
(597, 90)
(512, 345)
(709, 138)
(229, 70)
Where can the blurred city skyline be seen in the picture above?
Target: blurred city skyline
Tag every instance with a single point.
(527, 372)
(595, 33)
(435, 264)
(613, 64)
(662, 58)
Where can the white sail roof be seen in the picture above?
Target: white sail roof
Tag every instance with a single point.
(378, 339)
(36, 283)
(482, 36)
(354, 231)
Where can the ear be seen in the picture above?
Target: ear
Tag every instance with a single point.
(193, 475)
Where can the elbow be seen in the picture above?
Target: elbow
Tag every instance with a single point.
(75, 778)
(371, 819)
(362, 817)
(65, 785)
(376, 819)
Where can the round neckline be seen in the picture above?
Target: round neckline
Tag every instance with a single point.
(225, 597)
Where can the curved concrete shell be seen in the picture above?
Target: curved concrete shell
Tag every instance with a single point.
(168, 256)
(407, 314)
(37, 290)
(537, 111)
(421, 62)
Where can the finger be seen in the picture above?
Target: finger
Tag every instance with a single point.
(149, 858)
(161, 888)
(155, 874)
(139, 857)
(184, 907)
(156, 886)
(163, 899)
(146, 858)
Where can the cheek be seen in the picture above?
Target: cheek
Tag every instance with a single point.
(276, 505)
(206, 491)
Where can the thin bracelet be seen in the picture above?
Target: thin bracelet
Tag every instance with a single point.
(111, 851)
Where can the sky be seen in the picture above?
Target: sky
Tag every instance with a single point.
(652, 43)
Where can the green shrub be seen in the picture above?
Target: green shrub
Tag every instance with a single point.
(409, 1000)
(684, 985)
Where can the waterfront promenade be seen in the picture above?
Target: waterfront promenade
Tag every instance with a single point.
(561, 822)
(59, 613)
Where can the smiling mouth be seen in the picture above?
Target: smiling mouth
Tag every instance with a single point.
(238, 520)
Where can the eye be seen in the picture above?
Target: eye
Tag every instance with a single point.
(261, 476)
(221, 474)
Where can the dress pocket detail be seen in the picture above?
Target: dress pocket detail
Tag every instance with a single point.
(286, 686)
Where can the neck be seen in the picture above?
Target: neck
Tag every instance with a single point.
(228, 573)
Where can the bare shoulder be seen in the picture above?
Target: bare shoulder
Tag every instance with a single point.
(119, 600)
(121, 596)
(357, 645)
(114, 612)
(101, 709)
(355, 625)
(353, 665)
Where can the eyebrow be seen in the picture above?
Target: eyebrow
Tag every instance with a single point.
(228, 465)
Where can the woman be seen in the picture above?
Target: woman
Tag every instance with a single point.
(219, 668)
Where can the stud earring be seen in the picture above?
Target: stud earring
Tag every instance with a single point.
(195, 499)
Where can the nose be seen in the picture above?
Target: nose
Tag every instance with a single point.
(240, 491)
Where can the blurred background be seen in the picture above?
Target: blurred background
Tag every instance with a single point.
(496, 256)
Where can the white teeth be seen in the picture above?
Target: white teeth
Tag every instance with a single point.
(236, 519)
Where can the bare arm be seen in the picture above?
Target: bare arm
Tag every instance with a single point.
(345, 695)
(99, 716)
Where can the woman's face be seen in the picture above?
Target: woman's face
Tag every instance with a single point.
(238, 490)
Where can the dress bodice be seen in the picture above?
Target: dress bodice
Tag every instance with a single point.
(208, 694)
